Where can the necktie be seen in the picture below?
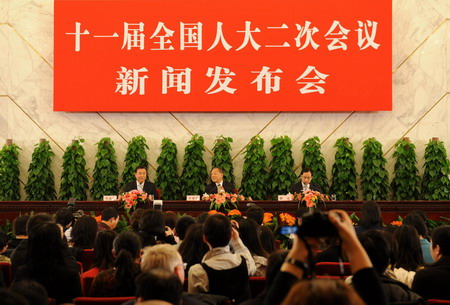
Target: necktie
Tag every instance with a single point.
(140, 187)
(220, 188)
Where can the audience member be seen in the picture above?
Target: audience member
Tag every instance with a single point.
(370, 217)
(158, 286)
(433, 281)
(9, 297)
(409, 258)
(47, 263)
(256, 213)
(110, 218)
(268, 241)
(202, 218)
(4, 239)
(193, 248)
(250, 232)
(103, 257)
(83, 235)
(152, 229)
(221, 271)
(417, 222)
(118, 281)
(19, 230)
(182, 225)
(332, 251)
(34, 292)
(135, 218)
(64, 217)
(171, 219)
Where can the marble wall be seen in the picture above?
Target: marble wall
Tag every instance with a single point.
(420, 72)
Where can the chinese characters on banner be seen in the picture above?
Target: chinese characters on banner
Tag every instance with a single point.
(202, 55)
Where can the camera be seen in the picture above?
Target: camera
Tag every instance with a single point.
(316, 224)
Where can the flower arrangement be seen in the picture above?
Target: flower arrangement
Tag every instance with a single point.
(223, 201)
(311, 198)
(132, 198)
(213, 212)
(287, 219)
(397, 223)
(268, 218)
(234, 213)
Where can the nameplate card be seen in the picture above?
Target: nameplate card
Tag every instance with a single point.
(110, 198)
(287, 197)
(193, 198)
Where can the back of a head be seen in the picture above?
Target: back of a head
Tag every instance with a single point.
(249, 231)
(159, 284)
(160, 256)
(256, 213)
(20, 225)
(202, 218)
(370, 215)
(170, 219)
(217, 230)
(268, 241)
(103, 246)
(128, 241)
(183, 224)
(410, 256)
(441, 237)
(377, 247)
(274, 263)
(151, 225)
(192, 249)
(84, 232)
(417, 222)
(35, 220)
(109, 213)
(34, 292)
(9, 297)
(135, 218)
(64, 216)
(127, 247)
(318, 292)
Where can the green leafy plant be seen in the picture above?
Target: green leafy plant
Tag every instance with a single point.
(167, 179)
(314, 160)
(406, 182)
(255, 173)
(9, 173)
(74, 180)
(281, 174)
(374, 176)
(222, 157)
(435, 181)
(194, 175)
(7, 228)
(136, 156)
(106, 174)
(343, 181)
(41, 180)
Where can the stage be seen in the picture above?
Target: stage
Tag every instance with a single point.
(390, 209)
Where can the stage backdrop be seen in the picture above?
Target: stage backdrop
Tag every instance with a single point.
(203, 55)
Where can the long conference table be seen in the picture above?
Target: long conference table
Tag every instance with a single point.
(390, 209)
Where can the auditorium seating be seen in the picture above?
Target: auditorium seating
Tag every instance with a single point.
(7, 273)
(435, 301)
(98, 301)
(86, 283)
(257, 284)
(87, 258)
(332, 268)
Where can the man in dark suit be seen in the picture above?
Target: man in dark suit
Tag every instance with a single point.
(141, 183)
(218, 185)
(305, 184)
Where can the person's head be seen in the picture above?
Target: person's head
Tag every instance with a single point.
(217, 230)
(202, 218)
(34, 292)
(370, 215)
(171, 219)
(3, 242)
(249, 232)
(182, 225)
(417, 222)
(103, 257)
(64, 217)
(110, 217)
(158, 284)
(256, 213)
(440, 242)
(126, 249)
(306, 175)
(274, 262)
(135, 218)
(165, 257)
(217, 175)
(9, 297)
(35, 220)
(316, 292)
(20, 225)
(84, 232)
(410, 255)
(267, 238)
(378, 249)
(140, 173)
(152, 226)
(192, 249)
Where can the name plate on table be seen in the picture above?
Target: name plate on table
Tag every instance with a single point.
(110, 198)
(287, 197)
(193, 198)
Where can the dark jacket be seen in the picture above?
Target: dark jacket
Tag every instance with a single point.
(149, 187)
(433, 282)
(298, 187)
(399, 293)
(212, 187)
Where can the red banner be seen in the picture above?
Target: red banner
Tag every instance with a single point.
(208, 55)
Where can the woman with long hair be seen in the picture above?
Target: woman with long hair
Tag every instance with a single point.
(193, 248)
(370, 217)
(48, 265)
(249, 232)
(83, 235)
(118, 281)
(152, 229)
(103, 257)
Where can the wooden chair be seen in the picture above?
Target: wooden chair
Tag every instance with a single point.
(87, 259)
(98, 301)
(435, 301)
(7, 273)
(257, 284)
(332, 268)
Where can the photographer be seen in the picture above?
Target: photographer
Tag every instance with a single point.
(365, 280)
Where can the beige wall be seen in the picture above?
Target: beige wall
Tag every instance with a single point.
(420, 72)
